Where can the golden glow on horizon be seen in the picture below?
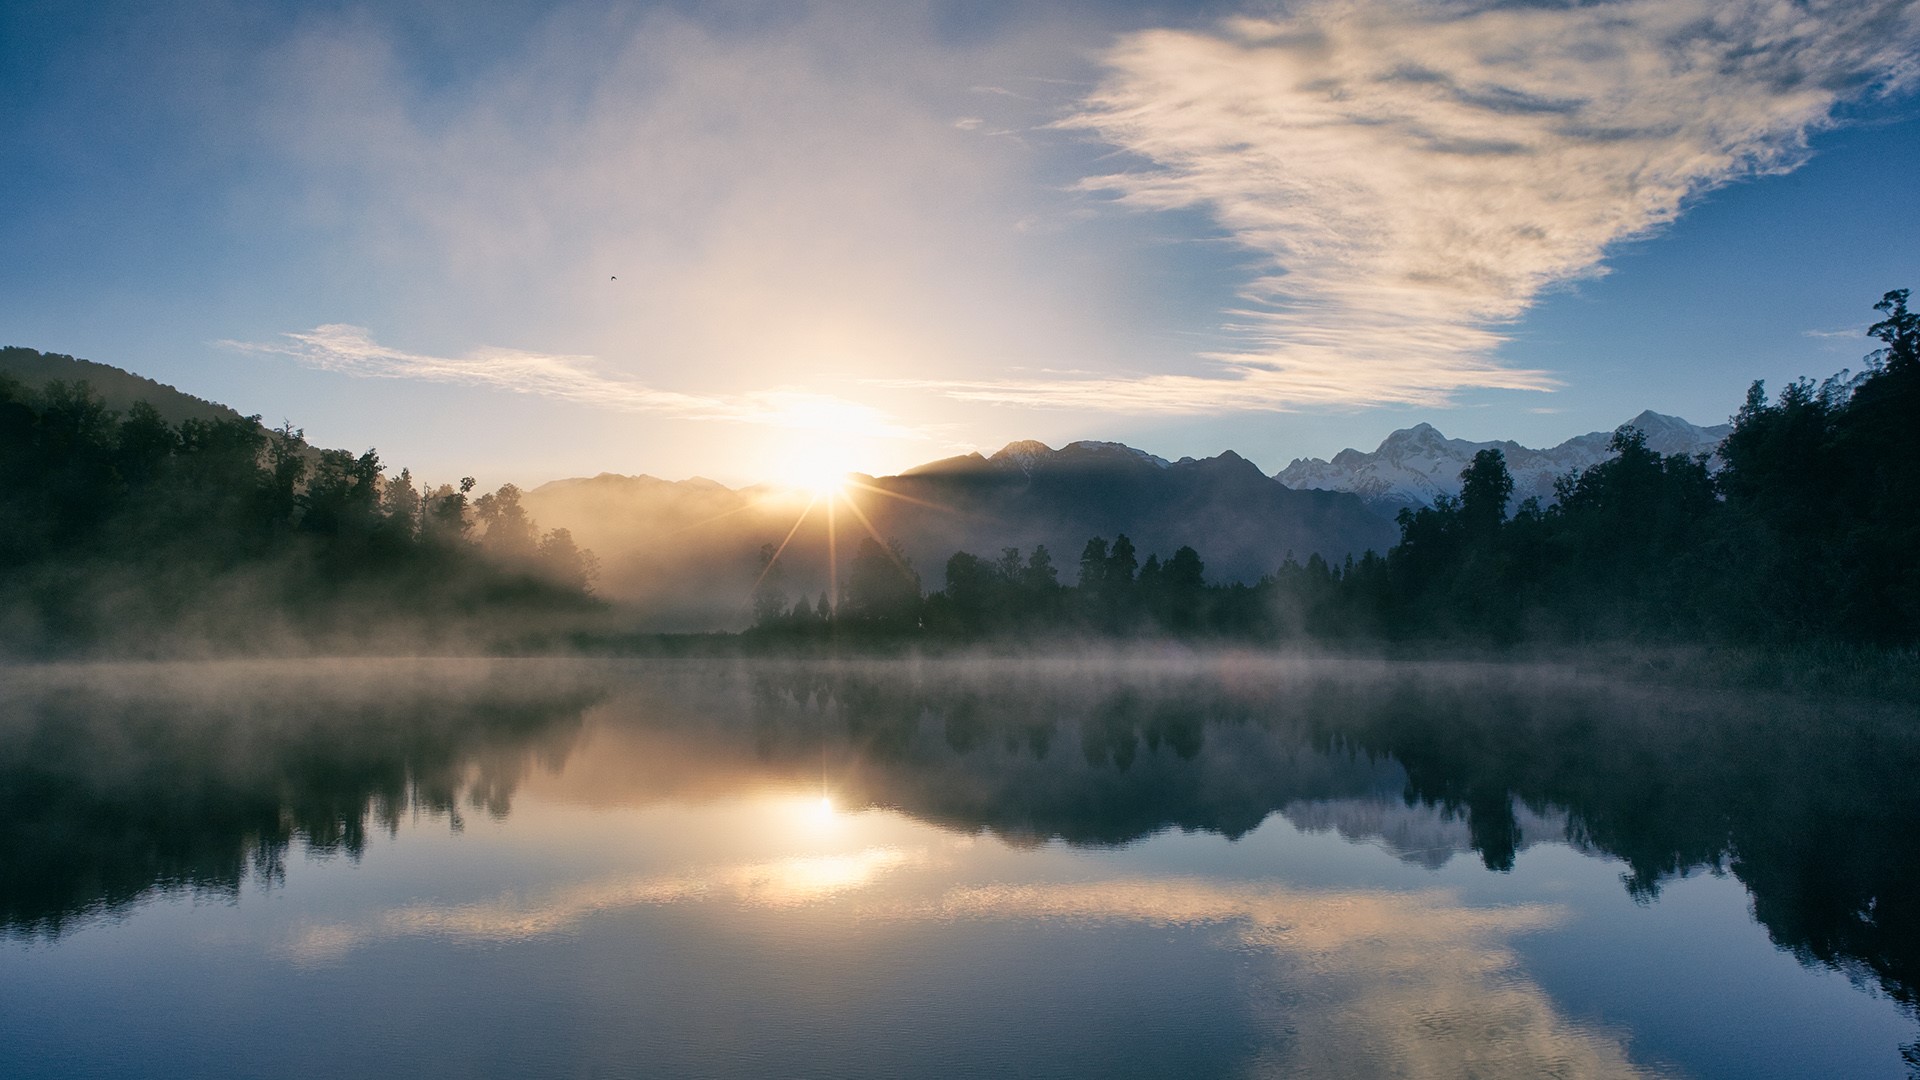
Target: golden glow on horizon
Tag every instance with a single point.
(829, 490)
(819, 468)
(826, 485)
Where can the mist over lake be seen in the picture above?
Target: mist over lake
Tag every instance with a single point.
(1157, 862)
(1011, 538)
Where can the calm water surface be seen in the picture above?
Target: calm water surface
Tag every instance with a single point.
(1139, 866)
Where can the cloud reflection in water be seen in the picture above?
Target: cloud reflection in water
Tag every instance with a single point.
(1347, 982)
(773, 883)
(1364, 983)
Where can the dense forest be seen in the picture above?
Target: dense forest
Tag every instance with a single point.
(1804, 530)
(128, 533)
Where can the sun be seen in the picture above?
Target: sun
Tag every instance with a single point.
(815, 813)
(822, 473)
(822, 485)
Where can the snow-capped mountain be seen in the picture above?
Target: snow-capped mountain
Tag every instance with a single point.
(1414, 465)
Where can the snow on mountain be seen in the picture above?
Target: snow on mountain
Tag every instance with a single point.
(1022, 455)
(1415, 465)
(1119, 448)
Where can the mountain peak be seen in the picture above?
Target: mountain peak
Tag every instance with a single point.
(1415, 465)
(1418, 437)
(1022, 455)
(1232, 462)
(1021, 448)
(1226, 464)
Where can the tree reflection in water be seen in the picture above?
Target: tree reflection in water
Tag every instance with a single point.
(118, 785)
(1808, 802)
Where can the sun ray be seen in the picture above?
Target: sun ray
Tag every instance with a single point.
(711, 520)
(969, 515)
(833, 560)
(799, 521)
(905, 498)
(758, 502)
(878, 539)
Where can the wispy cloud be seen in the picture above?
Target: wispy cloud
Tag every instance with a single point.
(1412, 176)
(352, 350)
(1293, 375)
(1363, 975)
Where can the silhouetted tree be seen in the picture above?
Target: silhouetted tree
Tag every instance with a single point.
(508, 533)
(769, 598)
(566, 563)
(883, 591)
(1183, 584)
(1485, 488)
(401, 503)
(972, 592)
(1093, 566)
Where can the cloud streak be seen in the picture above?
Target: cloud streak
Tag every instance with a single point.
(1410, 177)
(785, 882)
(352, 350)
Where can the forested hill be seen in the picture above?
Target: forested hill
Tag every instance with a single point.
(118, 390)
(131, 533)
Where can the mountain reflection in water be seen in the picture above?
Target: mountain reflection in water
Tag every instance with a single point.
(119, 784)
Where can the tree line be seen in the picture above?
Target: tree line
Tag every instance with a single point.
(125, 531)
(1806, 529)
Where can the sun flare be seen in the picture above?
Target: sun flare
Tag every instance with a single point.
(819, 472)
(815, 813)
(822, 486)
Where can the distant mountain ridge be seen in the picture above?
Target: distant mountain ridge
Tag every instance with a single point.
(1242, 521)
(1415, 465)
(689, 551)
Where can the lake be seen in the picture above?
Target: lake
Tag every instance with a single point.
(1140, 864)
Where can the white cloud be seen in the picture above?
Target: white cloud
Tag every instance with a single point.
(1411, 176)
(351, 350)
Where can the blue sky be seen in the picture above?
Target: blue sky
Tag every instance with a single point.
(752, 240)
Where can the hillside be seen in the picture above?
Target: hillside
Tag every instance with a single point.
(130, 533)
(118, 388)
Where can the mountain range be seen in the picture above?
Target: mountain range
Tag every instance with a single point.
(1415, 465)
(686, 554)
(688, 549)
